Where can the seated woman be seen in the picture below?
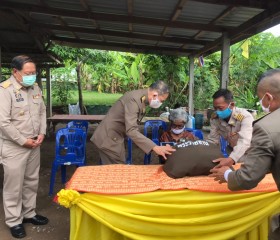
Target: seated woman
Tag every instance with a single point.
(177, 133)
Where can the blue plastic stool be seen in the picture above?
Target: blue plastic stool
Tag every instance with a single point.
(154, 125)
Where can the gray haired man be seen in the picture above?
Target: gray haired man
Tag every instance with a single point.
(122, 121)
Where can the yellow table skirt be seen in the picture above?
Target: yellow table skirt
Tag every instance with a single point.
(180, 215)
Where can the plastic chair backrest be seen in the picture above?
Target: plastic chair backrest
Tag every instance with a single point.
(191, 122)
(155, 125)
(129, 151)
(70, 146)
(196, 132)
(78, 124)
(223, 145)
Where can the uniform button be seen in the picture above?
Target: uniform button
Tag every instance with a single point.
(115, 139)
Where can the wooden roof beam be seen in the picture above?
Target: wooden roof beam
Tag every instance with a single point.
(220, 16)
(261, 21)
(120, 34)
(119, 46)
(88, 10)
(130, 13)
(176, 13)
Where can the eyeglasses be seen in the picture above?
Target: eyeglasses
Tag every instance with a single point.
(173, 125)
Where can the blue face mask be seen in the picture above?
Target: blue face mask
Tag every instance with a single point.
(29, 80)
(225, 113)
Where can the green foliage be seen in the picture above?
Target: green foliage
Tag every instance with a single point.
(6, 73)
(264, 51)
(61, 91)
(118, 72)
(63, 80)
(246, 98)
(90, 98)
(206, 82)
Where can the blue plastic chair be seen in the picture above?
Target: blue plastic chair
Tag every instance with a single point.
(78, 124)
(223, 145)
(70, 149)
(129, 151)
(154, 125)
(196, 132)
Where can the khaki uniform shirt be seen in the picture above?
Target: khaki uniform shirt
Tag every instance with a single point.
(122, 121)
(237, 131)
(22, 112)
(262, 157)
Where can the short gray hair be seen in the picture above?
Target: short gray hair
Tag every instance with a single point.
(160, 86)
(179, 114)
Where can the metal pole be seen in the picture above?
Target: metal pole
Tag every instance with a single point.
(191, 85)
(49, 98)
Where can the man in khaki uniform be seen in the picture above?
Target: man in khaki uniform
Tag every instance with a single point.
(22, 130)
(263, 156)
(122, 121)
(232, 123)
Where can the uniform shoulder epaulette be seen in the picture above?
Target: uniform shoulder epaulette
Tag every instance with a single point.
(6, 84)
(238, 116)
(143, 98)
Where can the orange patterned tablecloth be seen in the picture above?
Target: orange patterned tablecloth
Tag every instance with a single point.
(127, 179)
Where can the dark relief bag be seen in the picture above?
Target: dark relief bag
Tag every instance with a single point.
(192, 158)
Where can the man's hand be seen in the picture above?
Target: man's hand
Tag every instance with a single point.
(30, 143)
(40, 139)
(218, 174)
(163, 150)
(223, 162)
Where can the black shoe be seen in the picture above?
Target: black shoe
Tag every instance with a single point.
(18, 231)
(36, 220)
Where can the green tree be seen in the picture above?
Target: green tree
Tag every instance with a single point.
(264, 52)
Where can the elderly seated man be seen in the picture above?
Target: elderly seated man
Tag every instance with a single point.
(177, 132)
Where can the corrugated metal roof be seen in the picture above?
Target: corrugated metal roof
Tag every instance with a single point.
(239, 16)
(158, 9)
(200, 12)
(180, 27)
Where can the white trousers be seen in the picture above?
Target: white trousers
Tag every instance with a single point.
(21, 178)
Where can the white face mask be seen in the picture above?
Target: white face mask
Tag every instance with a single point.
(155, 103)
(177, 131)
(265, 109)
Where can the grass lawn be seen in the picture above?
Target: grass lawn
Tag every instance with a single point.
(93, 98)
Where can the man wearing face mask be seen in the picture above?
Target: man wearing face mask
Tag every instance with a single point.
(263, 156)
(233, 124)
(22, 131)
(122, 121)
